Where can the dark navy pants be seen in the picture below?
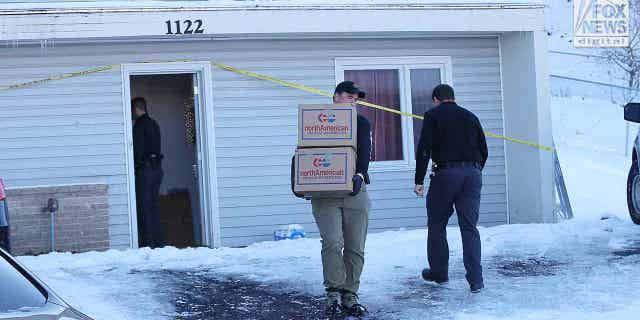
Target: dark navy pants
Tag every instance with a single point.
(148, 181)
(459, 187)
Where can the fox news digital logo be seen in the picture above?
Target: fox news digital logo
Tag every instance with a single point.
(601, 23)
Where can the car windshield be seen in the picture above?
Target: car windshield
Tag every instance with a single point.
(17, 292)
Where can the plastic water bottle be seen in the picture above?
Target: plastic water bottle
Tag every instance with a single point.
(292, 231)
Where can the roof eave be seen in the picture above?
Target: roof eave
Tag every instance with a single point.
(89, 10)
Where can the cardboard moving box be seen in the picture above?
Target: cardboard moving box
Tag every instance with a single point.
(329, 125)
(324, 170)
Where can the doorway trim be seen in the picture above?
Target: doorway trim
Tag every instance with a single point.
(209, 186)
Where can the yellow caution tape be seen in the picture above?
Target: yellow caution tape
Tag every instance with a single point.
(59, 77)
(266, 78)
(274, 80)
(364, 103)
(72, 75)
(518, 141)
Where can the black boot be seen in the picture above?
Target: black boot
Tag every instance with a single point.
(351, 304)
(427, 275)
(333, 302)
(476, 288)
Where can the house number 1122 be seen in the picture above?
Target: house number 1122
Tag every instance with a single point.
(184, 27)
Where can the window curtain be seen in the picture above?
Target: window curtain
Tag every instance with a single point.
(382, 88)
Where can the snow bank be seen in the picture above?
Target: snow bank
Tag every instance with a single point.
(590, 137)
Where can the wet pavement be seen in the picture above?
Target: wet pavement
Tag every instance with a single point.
(517, 267)
(202, 295)
(632, 248)
(557, 276)
(205, 295)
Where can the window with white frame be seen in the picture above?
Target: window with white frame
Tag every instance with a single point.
(400, 83)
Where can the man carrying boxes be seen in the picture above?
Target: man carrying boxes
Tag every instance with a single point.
(331, 167)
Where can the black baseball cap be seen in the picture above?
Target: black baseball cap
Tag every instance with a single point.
(349, 87)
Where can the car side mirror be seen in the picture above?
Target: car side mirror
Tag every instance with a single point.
(632, 112)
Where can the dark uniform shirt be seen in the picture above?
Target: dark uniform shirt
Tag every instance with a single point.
(450, 133)
(146, 140)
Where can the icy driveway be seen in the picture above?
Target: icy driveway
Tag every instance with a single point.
(577, 269)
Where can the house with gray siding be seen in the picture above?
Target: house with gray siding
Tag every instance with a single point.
(228, 137)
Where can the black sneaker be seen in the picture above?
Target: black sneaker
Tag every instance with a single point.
(476, 288)
(427, 275)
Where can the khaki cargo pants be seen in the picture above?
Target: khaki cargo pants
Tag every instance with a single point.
(343, 224)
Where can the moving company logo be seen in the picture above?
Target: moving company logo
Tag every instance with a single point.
(325, 123)
(321, 169)
(601, 23)
(321, 162)
(326, 117)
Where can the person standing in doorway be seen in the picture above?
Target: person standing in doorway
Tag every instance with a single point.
(454, 139)
(148, 173)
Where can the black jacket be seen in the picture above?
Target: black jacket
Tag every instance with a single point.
(363, 150)
(146, 140)
(363, 153)
(450, 133)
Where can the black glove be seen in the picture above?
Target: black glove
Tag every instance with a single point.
(293, 172)
(357, 184)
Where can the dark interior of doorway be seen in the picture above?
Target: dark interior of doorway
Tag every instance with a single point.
(170, 102)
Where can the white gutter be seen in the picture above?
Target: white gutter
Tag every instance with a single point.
(89, 10)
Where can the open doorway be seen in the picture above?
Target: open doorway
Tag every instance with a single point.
(171, 102)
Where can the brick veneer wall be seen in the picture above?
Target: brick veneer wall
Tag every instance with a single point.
(81, 222)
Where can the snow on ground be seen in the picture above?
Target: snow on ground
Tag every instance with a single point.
(586, 268)
(571, 270)
(590, 136)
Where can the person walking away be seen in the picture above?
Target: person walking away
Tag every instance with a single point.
(453, 138)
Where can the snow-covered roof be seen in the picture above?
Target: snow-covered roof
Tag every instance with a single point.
(57, 19)
(14, 6)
